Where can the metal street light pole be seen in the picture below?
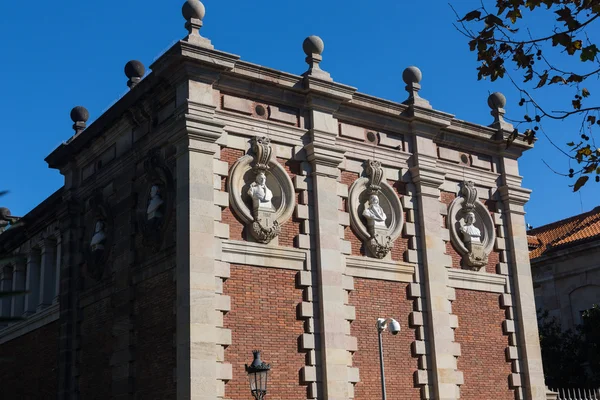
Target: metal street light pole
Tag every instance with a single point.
(394, 328)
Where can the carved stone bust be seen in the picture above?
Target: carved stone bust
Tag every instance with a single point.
(261, 195)
(99, 237)
(154, 204)
(374, 213)
(470, 233)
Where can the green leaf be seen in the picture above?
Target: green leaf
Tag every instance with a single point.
(471, 16)
(580, 182)
(591, 119)
(514, 15)
(585, 93)
(570, 144)
(589, 53)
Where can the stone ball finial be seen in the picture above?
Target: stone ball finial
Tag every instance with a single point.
(193, 9)
(313, 45)
(79, 114)
(134, 69)
(412, 75)
(496, 100)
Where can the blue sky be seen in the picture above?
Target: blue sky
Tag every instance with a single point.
(73, 53)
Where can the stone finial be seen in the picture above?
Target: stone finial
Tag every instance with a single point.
(313, 47)
(412, 77)
(497, 101)
(193, 11)
(79, 116)
(134, 70)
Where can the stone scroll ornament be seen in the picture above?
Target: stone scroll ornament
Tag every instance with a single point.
(471, 228)
(98, 238)
(376, 213)
(261, 192)
(155, 203)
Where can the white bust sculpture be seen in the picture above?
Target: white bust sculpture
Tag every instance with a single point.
(471, 234)
(374, 213)
(260, 193)
(99, 237)
(154, 204)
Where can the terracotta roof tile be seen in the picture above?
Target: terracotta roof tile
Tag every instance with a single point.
(567, 231)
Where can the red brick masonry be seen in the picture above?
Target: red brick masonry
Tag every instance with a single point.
(483, 360)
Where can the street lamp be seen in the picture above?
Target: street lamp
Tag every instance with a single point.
(394, 327)
(258, 373)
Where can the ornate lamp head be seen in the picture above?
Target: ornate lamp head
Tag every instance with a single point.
(258, 373)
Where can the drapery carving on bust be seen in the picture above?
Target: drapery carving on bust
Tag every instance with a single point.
(473, 242)
(268, 188)
(375, 211)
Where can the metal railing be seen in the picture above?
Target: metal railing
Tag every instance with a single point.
(577, 394)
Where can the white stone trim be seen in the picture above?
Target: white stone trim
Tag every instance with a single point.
(365, 267)
(249, 253)
(472, 280)
(30, 324)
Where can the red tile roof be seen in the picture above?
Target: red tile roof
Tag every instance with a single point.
(565, 232)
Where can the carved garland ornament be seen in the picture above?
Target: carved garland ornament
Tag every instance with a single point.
(261, 192)
(376, 213)
(471, 228)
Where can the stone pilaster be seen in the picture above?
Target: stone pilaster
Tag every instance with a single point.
(32, 284)
(199, 337)
(324, 157)
(6, 282)
(443, 375)
(57, 269)
(514, 198)
(48, 273)
(18, 284)
(68, 341)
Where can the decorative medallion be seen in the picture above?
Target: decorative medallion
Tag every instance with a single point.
(376, 213)
(98, 237)
(261, 192)
(471, 228)
(156, 202)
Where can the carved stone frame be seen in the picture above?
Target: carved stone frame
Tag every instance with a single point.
(456, 212)
(96, 262)
(240, 177)
(159, 174)
(359, 191)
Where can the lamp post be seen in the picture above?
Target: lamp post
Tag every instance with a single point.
(394, 327)
(258, 373)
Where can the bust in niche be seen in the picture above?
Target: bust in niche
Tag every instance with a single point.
(154, 204)
(374, 213)
(470, 233)
(99, 237)
(260, 193)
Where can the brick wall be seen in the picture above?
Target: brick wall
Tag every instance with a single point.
(95, 375)
(263, 317)
(289, 230)
(29, 365)
(374, 299)
(483, 360)
(154, 333)
(493, 258)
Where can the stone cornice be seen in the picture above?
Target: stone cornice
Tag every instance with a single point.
(32, 323)
(261, 255)
(365, 267)
(481, 281)
(566, 251)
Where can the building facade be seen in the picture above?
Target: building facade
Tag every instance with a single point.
(221, 207)
(564, 264)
